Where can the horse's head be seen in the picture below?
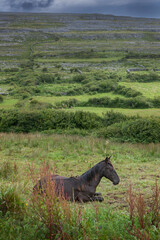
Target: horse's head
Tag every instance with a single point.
(109, 171)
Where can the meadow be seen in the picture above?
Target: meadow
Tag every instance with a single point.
(22, 159)
(73, 90)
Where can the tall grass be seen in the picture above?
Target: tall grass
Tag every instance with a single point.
(144, 216)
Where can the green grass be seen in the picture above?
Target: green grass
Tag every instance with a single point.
(149, 90)
(79, 60)
(84, 97)
(129, 112)
(8, 103)
(4, 87)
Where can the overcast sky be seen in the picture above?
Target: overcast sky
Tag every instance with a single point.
(137, 8)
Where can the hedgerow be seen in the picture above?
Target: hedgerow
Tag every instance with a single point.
(31, 121)
(137, 102)
(112, 125)
(138, 130)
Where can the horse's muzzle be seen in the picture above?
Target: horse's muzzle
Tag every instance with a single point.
(116, 182)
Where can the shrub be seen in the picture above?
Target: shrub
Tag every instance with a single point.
(24, 92)
(11, 69)
(23, 78)
(138, 102)
(18, 121)
(45, 78)
(63, 120)
(138, 130)
(128, 92)
(1, 99)
(78, 78)
(151, 77)
(137, 55)
(35, 104)
(100, 86)
(28, 64)
(156, 102)
(27, 121)
(25, 95)
(67, 104)
(75, 91)
(44, 69)
(112, 117)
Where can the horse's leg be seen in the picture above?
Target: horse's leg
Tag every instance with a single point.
(98, 194)
(84, 197)
(98, 198)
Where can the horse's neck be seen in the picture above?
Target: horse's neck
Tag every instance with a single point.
(92, 176)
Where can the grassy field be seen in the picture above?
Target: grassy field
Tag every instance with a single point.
(71, 156)
(149, 90)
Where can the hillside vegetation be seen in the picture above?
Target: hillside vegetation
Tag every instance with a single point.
(86, 62)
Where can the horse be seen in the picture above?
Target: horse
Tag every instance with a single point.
(81, 188)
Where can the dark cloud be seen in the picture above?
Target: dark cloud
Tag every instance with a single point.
(144, 8)
(29, 4)
(141, 8)
(135, 8)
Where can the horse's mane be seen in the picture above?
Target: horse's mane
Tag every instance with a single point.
(88, 175)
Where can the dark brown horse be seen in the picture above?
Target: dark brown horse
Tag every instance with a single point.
(82, 188)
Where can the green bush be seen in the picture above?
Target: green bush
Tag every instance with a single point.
(150, 77)
(30, 121)
(112, 117)
(45, 78)
(156, 102)
(1, 99)
(67, 104)
(141, 55)
(75, 91)
(23, 78)
(24, 92)
(128, 92)
(137, 102)
(138, 130)
(11, 69)
(78, 78)
(102, 86)
(35, 104)
(44, 69)
(63, 120)
(112, 125)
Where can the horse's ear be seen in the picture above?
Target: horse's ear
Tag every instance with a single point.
(107, 159)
